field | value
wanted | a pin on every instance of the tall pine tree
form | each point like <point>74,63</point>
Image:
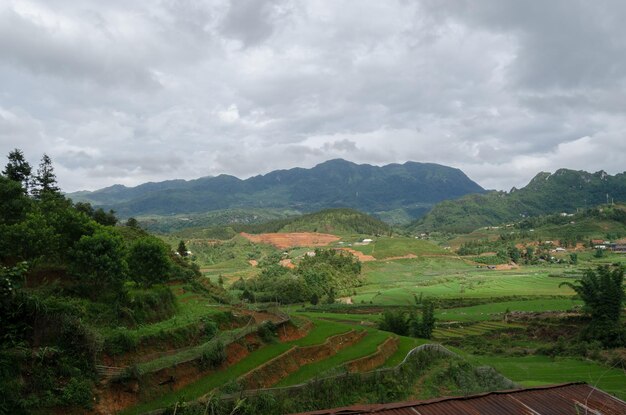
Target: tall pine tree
<point>45,181</point>
<point>18,169</point>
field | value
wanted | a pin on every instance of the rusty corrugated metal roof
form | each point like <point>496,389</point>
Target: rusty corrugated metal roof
<point>563,399</point>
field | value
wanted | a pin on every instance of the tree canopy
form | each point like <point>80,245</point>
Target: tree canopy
<point>603,293</point>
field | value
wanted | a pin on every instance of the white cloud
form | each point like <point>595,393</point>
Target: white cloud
<point>120,92</point>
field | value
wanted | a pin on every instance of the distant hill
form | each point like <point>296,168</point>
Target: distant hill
<point>407,190</point>
<point>334,221</point>
<point>605,222</point>
<point>564,191</point>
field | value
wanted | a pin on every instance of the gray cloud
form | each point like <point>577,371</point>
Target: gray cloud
<point>127,93</point>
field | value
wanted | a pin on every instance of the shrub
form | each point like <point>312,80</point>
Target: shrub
<point>213,356</point>
<point>267,332</point>
<point>120,342</point>
<point>77,392</point>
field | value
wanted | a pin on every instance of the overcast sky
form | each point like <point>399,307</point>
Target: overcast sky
<point>126,92</point>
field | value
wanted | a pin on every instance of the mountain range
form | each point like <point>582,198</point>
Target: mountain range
<point>408,190</point>
<point>564,191</point>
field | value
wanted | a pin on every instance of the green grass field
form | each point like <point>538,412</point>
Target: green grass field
<point>483,284</point>
<point>385,247</point>
<point>495,310</point>
<point>543,370</point>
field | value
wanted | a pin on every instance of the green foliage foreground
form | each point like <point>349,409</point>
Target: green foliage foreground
<point>66,273</point>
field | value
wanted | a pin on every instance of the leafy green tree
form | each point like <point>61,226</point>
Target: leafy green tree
<point>395,321</point>
<point>320,277</point>
<point>602,291</point>
<point>599,253</point>
<point>330,297</point>
<point>148,261</point>
<point>315,299</point>
<point>18,169</point>
<point>428,319</point>
<point>13,202</point>
<point>514,253</point>
<point>98,262</point>
<point>247,295</point>
<point>105,218</point>
<point>85,208</point>
<point>530,253</point>
<point>573,259</point>
<point>182,249</point>
<point>28,240</point>
<point>132,223</point>
<point>45,182</point>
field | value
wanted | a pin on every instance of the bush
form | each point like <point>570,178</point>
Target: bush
<point>213,356</point>
<point>120,342</point>
<point>148,261</point>
<point>149,305</point>
<point>267,332</point>
<point>77,392</point>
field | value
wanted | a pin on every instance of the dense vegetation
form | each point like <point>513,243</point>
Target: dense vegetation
<point>563,191</point>
<point>603,294</point>
<point>412,187</point>
<point>408,323</point>
<point>66,270</point>
<point>321,276</point>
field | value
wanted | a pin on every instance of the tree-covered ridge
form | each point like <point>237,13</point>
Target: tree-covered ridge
<point>65,270</point>
<point>413,187</point>
<point>563,191</point>
<point>335,221</point>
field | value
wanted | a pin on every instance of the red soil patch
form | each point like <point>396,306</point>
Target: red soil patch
<point>287,263</point>
<point>380,356</point>
<point>253,262</point>
<point>360,255</point>
<point>292,240</point>
<point>289,332</point>
<point>507,266</point>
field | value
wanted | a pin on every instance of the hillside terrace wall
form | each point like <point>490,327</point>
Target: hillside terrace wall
<point>374,360</point>
<point>121,394</point>
<point>281,366</point>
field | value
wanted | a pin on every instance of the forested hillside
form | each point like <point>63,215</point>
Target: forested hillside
<point>411,187</point>
<point>564,191</point>
<point>67,274</point>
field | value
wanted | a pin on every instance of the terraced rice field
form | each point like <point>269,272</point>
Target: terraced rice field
<point>491,311</point>
<point>474,330</point>
<point>366,346</point>
<point>320,332</point>
<point>475,285</point>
